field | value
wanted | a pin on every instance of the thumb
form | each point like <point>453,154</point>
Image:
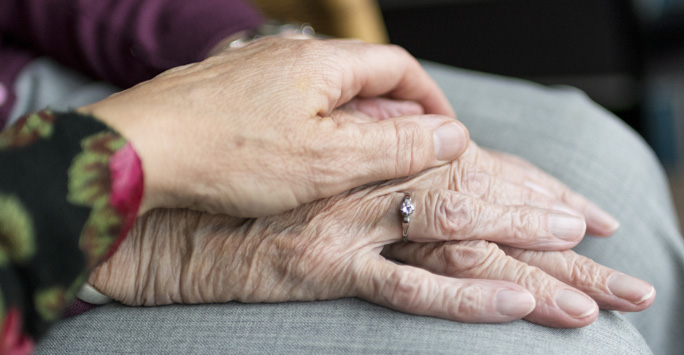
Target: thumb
<point>399,147</point>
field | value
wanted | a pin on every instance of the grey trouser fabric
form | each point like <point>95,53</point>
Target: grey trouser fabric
<point>558,129</point>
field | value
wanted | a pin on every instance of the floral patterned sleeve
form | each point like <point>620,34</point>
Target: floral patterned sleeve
<point>70,188</point>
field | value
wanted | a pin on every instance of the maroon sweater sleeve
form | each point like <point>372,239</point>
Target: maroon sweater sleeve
<point>124,41</point>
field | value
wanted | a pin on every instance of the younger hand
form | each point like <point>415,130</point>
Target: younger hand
<point>248,132</point>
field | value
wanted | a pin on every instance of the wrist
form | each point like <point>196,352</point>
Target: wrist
<point>157,264</point>
<point>132,186</point>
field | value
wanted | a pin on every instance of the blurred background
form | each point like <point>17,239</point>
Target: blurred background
<point>627,55</point>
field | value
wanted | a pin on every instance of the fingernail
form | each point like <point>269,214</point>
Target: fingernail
<point>575,304</point>
<point>630,288</point>
<point>514,303</point>
<point>566,227</point>
<point>450,141</point>
<point>598,218</point>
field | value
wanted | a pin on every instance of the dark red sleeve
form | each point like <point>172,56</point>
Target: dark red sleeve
<point>124,41</point>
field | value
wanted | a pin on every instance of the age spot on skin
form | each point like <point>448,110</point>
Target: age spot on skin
<point>239,142</point>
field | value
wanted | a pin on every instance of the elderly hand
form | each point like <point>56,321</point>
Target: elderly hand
<point>566,286</point>
<point>248,132</point>
<point>330,249</point>
<point>490,175</point>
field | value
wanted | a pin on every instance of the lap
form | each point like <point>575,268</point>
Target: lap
<point>557,129</point>
<point>347,326</point>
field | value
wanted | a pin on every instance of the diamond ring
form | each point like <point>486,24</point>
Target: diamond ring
<point>406,210</point>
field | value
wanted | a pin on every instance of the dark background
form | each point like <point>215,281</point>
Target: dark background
<point>628,55</point>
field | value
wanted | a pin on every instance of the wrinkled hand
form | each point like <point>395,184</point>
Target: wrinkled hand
<point>330,249</point>
<point>492,176</point>
<point>507,179</point>
<point>567,286</point>
<point>560,281</point>
<point>248,132</point>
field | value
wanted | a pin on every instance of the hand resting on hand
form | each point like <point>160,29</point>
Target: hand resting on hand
<point>469,258</point>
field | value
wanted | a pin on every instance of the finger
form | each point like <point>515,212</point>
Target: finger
<point>371,70</point>
<point>494,189</point>
<point>557,304</point>
<point>365,110</point>
<point>519,171</point>
<point>611,289</point>
<point>381,150</point>
<point>412,290</point>
<point>447,215</point>
<point>599,222</point>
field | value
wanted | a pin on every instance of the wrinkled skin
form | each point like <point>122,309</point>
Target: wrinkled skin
<point>489,237</point>
<point>468,259</point>
<point>205,131</point>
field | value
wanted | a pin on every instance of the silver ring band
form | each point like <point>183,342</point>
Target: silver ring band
<point>406,210</point>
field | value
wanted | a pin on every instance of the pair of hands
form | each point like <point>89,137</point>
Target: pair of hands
<point>213,138</point>
<point>332,248</point>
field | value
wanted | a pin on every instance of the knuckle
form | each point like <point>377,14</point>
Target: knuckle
<point>452,215</point>
<point>464,215</point>
<point>523,222</point>
<point>410,141</point>
<point>466,302</point>
<point>583,274</point>
<point>532,278</point>
<point>476,183</point>
<point>406,290</point>
<point>470,258</point>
